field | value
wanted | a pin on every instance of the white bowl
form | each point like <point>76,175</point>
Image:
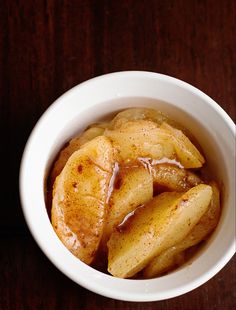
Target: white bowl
<point>94,100</point>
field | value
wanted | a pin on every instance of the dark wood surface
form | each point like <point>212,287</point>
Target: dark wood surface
<point>46,47</point>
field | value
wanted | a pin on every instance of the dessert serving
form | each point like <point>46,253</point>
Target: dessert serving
<point>132,197</point>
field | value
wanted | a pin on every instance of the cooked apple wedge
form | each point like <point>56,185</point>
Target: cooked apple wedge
<point>80,197</point>
<point>141,138</point>
<point>73,146</point>
<point>187,153</point>
<point>169,258</point>
<point>134,114</point>
<point>172,178</point>
<point>133,187</point>
<point>161,223</point>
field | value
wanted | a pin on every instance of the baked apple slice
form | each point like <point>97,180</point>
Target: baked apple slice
<point>160,224</point>
<point>80,197</point>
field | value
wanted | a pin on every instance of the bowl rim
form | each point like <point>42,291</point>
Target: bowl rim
<point>110,292</point>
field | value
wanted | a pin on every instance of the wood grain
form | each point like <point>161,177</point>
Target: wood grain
<point>48,47</point>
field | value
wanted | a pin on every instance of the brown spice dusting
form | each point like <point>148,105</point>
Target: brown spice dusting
<point>74,184</point>
<point>80,168</point>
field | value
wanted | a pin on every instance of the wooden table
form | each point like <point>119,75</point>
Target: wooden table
<point>49,46</point>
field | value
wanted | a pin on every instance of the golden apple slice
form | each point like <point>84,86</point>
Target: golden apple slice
<point>160,224</point>
<point>134,114</point>
<point>80,197</point>
<point>141,138</point>
<point>187,153</point>
<point>73,146</point>
<point>172,178</point>
<point>133,187</point>
<point>170,258</point>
